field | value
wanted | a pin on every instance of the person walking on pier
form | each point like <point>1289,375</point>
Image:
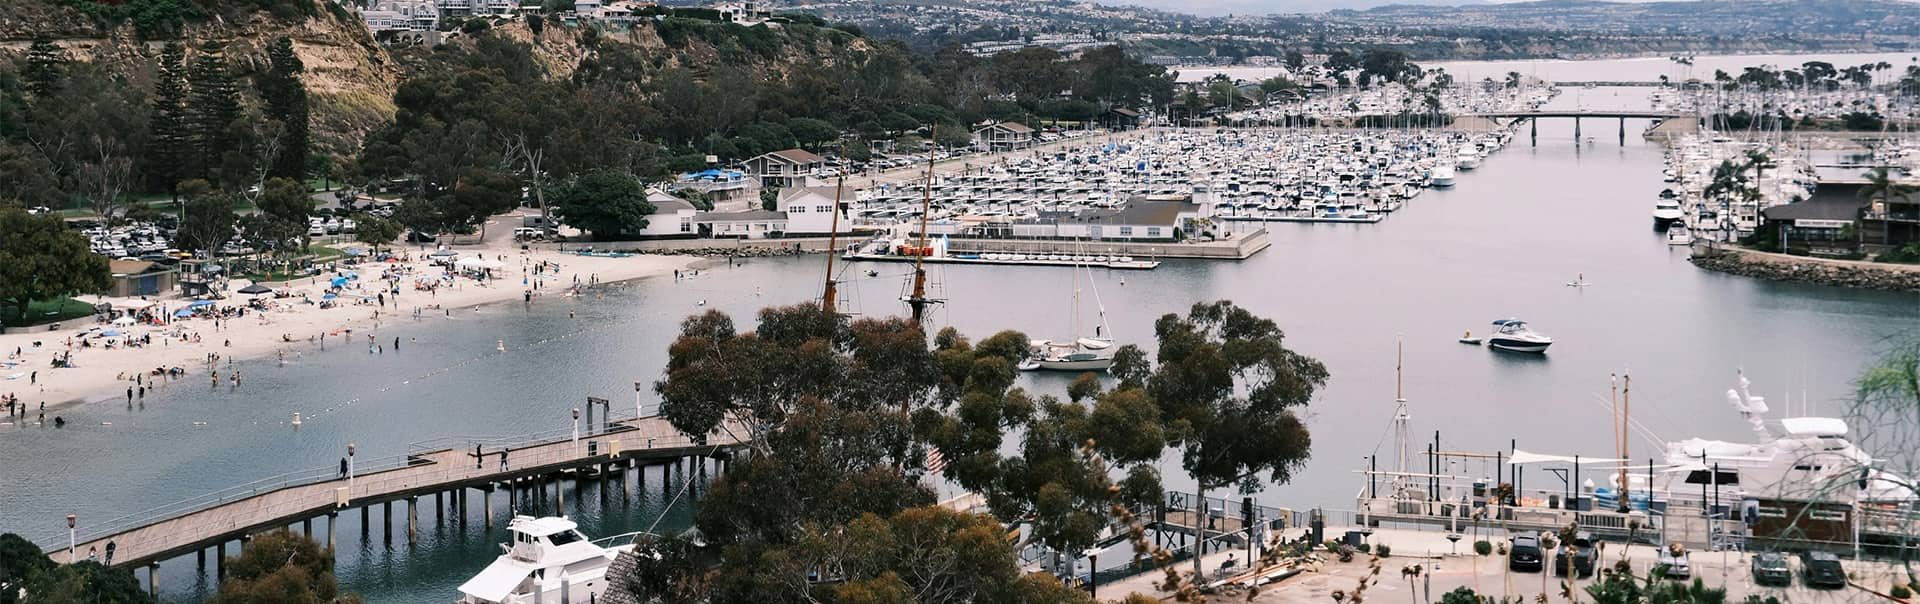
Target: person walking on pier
<point>477,458</point>
<point>503,458</point>
<point>343,468</point>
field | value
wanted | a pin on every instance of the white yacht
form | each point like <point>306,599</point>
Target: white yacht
<point>548,561</point>
<point>1808,460</point>
<point>1467,159</point>
<point>1679,235</point>
<point>1665,212</point>
<point>1514,335</point>
<point>1442,176</point>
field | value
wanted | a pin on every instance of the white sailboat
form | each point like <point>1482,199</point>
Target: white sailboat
<point>1079,353</point>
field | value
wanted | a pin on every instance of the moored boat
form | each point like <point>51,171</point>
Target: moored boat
<point>1514,335</point>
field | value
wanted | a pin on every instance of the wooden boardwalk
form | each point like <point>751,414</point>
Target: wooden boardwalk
<point>425,472</point>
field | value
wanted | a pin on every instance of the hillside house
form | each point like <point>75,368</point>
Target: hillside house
<point>1003,136</point>
<point>782,169</point>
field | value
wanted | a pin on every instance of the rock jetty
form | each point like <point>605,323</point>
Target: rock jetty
<point>1839,273</point>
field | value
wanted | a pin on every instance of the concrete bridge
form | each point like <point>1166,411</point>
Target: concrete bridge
<point>1533,118</point>
<point>448,469</point>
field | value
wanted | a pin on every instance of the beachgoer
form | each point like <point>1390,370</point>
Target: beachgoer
<point>343,467</point>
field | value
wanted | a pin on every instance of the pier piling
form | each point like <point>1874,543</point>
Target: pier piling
<point>364,523</point>
<point>1623,131</point>
<point>486,505</point>
<point>413,520</point>
<point>202,555</point>
<point>386,521</point>
<point>560,495</point>
<point>1576,129</point>
<point>439,507</point>
<point>306,527</point>
<point>333,518</point>
<point>220,561</point>
<point>1533,125</point>
<point>153,580</point>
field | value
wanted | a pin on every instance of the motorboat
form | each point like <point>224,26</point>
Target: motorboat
<point>1513,335</point>
<point>1679,235</point>
<point>1665,212</point>
<point>548,561</point>
<point>1466,159</point>
<point>1469,338</point>
<point>1442,176</point>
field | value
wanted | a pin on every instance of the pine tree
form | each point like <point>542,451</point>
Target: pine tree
<point>46,66</point>
<point>213,102</point>
<point>286,99</point>
<point>167,128</point>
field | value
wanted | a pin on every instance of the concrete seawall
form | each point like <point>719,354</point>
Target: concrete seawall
<point>1799,269</point>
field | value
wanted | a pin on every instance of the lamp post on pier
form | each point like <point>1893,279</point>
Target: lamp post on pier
<point>639,409</point>
<point>70,535</point>
<point>576,430</point>
<point>350,448</point>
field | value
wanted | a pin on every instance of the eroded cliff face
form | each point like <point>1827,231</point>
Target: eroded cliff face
<point>350,79</point>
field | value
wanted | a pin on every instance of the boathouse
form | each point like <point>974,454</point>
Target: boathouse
<point>1827,223</point>
<point>140,278</point>
<point>782,169</point>
<point>751,224</point>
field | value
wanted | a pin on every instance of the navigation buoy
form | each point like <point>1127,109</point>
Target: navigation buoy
<point>500,345</point>
<point>296,418</point>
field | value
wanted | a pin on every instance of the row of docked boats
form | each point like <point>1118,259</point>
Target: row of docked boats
<point>1277,175</point>
<point>1753,175</point>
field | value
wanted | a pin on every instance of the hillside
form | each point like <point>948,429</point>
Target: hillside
<point>350,79</point>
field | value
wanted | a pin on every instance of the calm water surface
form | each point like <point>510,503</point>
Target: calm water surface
<point>1502,243</point>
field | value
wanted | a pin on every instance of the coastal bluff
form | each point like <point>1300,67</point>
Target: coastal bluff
<point>1799,269</point>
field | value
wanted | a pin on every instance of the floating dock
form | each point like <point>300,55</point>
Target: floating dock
<point>1012,259</point>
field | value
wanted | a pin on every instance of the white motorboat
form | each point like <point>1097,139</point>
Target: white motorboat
<point>1466,159</point>
<point>1514,335</point>
<point>1679,235</point>
<point>1080,353</point>
<point>1442,176</point>
<point>548,561</point>
<point>1665,212</point>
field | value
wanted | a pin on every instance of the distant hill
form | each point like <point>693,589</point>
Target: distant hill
<point>1218,8</point>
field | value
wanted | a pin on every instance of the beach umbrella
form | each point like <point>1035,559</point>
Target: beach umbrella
<point>339,281</point>
<point>200,303</point>
<point>328,297</point>
<point>256,289</point>
<point>111,333</point>
<point>183,313</point>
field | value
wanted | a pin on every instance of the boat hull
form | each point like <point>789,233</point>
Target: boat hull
<point>1100,364</point>
<point>1515,345</point>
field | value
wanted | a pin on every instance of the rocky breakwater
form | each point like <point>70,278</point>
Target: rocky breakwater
<point>1797,269</point>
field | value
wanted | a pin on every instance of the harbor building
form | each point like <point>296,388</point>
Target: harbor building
<point>788,168</point>
<point>1003,136</point>
<point>809,211</point>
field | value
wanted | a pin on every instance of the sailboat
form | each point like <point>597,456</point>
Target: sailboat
<point>1080,353</point>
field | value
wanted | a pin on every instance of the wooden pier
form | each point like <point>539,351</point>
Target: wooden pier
<point>447,467</point>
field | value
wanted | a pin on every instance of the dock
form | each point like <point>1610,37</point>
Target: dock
<point>1010,259</point>
<point>443,468</point>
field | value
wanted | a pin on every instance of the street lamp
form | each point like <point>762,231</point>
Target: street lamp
<point>70,534</point>
<point>576,430</point>
<point>639,410</point>
<point>350,469</point>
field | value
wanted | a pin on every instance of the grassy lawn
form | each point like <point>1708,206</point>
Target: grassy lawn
<point>46,311</point>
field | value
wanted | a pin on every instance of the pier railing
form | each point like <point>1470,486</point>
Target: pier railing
<point>114,526</point>
<point>366,470</point>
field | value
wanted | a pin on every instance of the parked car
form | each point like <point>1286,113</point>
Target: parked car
<point>1525,554</point>
<point>1674,562</point>
<point>1822,569</point>
<point>1579,553</point>
<point>1770,568</point>
<point>419,237</point>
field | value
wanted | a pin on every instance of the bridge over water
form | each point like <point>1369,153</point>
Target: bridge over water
<point>1533,118</point>
<point>447,468</point>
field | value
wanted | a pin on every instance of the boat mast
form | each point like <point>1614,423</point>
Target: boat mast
<point>833,237</point>
<point>1626,413</point>
<point>1402,441</point>
<point>918,301</point>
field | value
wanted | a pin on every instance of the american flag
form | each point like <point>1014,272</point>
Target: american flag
<point>935,461</point>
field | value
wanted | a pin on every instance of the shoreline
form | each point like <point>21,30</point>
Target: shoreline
<point>105,374</point>
<point>1769,266</point>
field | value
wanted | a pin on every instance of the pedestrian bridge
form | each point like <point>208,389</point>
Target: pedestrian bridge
<point>447,466</point>
<point>1578,113</point>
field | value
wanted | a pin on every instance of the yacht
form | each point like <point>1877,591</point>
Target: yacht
<point>1808,460</point>
<point>1442,176</point>
<point>1514,335</point>
<point>1466,159</point>
<point>1679,235</point>
<point>1665,212</point>
<point>548,561</point>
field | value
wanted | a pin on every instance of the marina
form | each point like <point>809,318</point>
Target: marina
<point>1439,251</point>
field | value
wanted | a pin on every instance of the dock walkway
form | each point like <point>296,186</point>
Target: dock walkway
<point>433,467</point>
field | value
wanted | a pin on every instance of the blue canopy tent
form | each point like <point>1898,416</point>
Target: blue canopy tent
<point>111,333</point>
<point>200,303</point>
<point>183,313</point>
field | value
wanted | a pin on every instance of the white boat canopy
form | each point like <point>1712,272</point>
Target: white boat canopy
<point>497,582</point>
<point>1814,426</point>
<point>1521,458</point>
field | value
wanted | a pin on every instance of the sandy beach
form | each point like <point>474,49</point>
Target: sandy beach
<point>107,373</point>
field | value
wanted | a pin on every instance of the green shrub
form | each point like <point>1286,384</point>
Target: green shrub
<point>1383,550</point>
<point>1483,547</point>
<point>1900,592</point>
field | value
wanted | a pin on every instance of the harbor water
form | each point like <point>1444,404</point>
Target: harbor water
<point>1502,243</point>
